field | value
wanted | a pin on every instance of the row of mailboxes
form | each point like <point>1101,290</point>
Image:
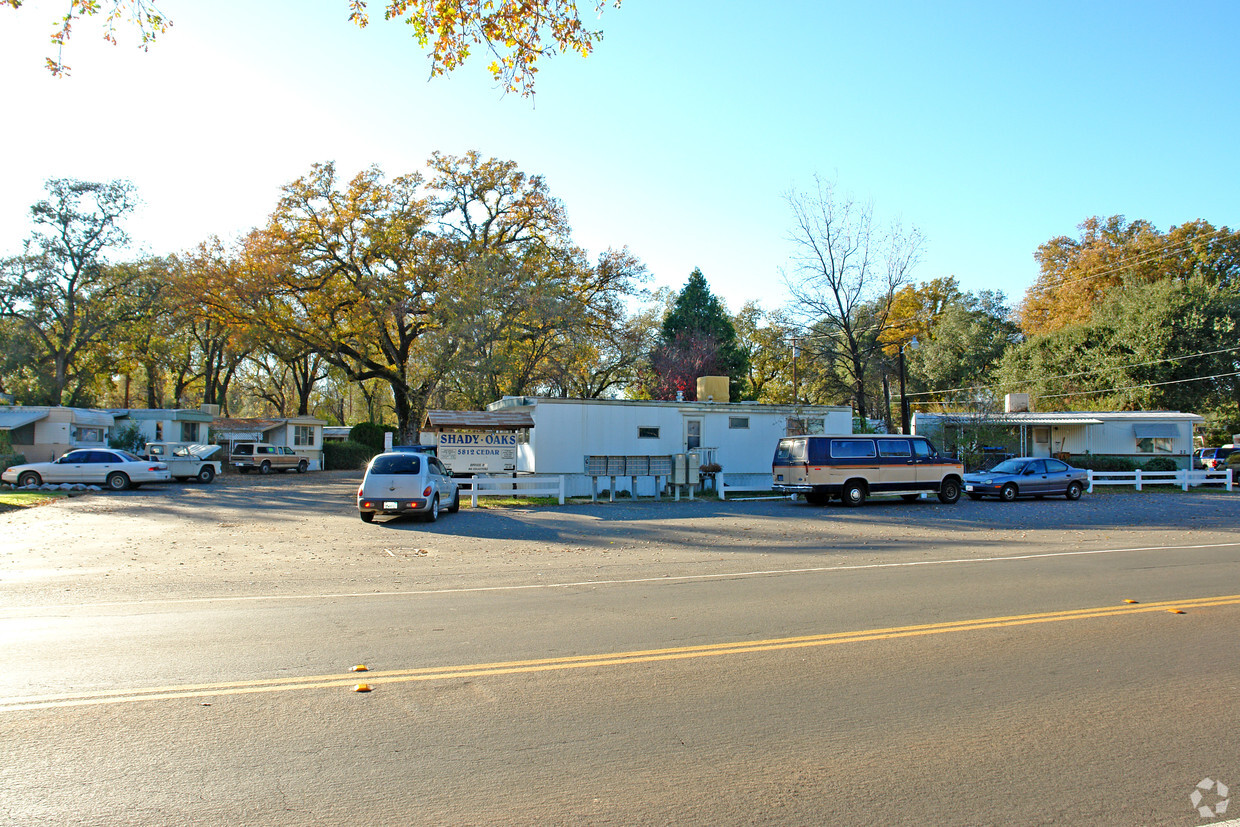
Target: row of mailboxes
<point>683,469</point>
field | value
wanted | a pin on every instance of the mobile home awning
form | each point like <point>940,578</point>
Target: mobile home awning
<point>12,420</point>
<point>1155,431</point>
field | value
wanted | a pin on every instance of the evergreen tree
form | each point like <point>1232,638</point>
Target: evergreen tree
<point>697,339</point>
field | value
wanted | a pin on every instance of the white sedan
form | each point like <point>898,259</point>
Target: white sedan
<point>113,468</point>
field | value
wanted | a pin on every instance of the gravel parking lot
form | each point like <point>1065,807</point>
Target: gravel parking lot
<point>298,534</point>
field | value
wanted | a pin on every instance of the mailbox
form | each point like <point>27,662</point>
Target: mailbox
<point>680,466</point>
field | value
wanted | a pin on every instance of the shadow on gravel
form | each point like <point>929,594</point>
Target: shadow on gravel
<point>777,526</point>
<point>786,527</point>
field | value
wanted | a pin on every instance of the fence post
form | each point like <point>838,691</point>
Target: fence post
<point>473,491</point>
<point>722,494</point>
<point>561,489</point>
<point>1090,477</point>
<point>1229,475</point>
<point>1138,479</point>
<point>1184,475</point>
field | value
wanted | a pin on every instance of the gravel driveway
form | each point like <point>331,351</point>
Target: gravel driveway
<point>296,534</point>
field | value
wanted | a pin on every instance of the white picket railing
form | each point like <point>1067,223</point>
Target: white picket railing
<point>514,487</point>
<point>725,488</point>
<point>1182,478</point>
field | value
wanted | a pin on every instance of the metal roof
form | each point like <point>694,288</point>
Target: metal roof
<point>173,414</point>
<point>479,420</point>
<point>1065,417</point>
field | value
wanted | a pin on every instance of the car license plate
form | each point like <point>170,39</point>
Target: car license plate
<point>389,504</point>
<point>968,488</point>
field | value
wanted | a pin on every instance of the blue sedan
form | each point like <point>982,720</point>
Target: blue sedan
<point>1027,477</point>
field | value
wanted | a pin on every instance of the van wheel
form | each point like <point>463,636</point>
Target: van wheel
<point>1007,493</point>
<point>433,514</point>
<point>949,492</point>
<point>853,494</point>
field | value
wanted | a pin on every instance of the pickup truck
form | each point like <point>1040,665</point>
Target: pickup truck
<point>186,461</point>
<point>265,458</point>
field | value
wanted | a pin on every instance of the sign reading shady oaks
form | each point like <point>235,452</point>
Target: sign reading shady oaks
<point>478,453</point>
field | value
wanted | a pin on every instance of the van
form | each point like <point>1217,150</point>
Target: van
<point>853,468</point>
<point>1212,459</point>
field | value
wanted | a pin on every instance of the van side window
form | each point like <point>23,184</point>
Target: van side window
<point>894,448</point>
<point>852,448</point>
<point>921,449</point>
<point>817,452</point>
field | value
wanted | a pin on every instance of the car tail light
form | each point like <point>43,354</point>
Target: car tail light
<point>427,492</point>
<point>359,490</point>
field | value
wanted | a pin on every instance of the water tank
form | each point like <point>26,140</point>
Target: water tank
<point>712,389</point>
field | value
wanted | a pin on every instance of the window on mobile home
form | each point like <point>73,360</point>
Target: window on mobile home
<point>647,433</point>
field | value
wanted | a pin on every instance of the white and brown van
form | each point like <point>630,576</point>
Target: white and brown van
<point>855,467</point>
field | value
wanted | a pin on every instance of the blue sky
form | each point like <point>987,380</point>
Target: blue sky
<point>991,127</point>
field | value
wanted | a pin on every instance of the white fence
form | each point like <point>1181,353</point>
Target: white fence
<point>514,487</point>
<point>751,483</point>
<point>1182,478</point>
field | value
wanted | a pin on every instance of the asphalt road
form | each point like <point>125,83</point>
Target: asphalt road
<point>182,656</point>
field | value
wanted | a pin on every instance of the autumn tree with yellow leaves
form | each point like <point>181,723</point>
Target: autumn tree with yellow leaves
<point>517,33</point>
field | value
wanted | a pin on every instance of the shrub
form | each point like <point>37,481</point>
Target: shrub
<point>370,433</point>
<point>129,439</point>
<point>1094,462</point>
<point>346,456</point>
<point>7,461</point>
<point>1161,464</point>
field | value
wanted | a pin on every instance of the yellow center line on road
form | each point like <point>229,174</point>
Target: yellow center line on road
<point>438,673</point>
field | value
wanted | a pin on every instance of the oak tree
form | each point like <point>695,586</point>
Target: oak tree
<point>517,33</point>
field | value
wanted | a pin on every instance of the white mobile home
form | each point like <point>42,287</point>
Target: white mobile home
<point>166,425</point>
<point>1136,435</point>
<point>44,433</point>
<point>740,437</point>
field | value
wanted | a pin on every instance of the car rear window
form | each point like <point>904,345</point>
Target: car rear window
<point>396,464</point>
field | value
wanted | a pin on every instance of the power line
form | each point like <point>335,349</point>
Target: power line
<point>1137,387</point>
<point>1082,373</point>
